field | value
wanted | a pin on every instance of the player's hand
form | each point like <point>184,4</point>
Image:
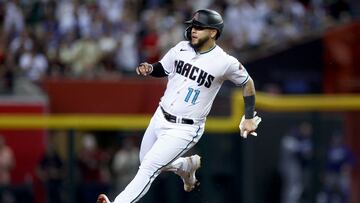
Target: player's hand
<point>248,126</point>
<point>144,69</point>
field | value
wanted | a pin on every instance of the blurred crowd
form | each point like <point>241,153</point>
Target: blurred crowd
<point>301,172</point>
<point>96,170</point>
<point>108,38</point>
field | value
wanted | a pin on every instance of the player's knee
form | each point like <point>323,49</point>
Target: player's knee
<point>150,168</point>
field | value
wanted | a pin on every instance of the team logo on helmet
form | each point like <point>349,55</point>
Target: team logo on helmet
<point>196,16</point>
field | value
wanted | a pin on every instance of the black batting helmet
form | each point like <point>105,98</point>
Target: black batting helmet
<point>205,18</point>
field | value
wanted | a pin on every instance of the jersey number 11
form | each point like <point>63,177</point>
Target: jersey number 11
<point>189,94</point>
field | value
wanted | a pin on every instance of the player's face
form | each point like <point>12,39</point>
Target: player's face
<point>200,36</point>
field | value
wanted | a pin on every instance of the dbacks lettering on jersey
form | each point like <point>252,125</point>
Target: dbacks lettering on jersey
<point>194,73</point>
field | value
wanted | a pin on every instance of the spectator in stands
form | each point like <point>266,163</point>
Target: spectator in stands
<point>65,51</point>
<point>83,57</point>
<point>253,17</point>
<point>51,172</point>
<point>14,17</point>
<point>149,41</point>
<point>113,10</point>
<point>127,53</point>
<point>3,48</point>
<point>6,69</point>
<point>337,179</point>
<point>339,9</point>
<point>233,23</point>
<point>22,42</point>
<point>33,64</point>
<point>93,167</point>
<point>56,66</point>
<point>7,163</point>
<point>107,45</point>
<point>173,24</point>
<point>125,164</point>
<point>65,15</point>
<point>295,165</point>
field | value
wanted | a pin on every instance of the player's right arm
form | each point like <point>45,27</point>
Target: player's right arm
<point>155,70</point>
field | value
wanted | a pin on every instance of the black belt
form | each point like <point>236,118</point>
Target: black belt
<point>172,118</point>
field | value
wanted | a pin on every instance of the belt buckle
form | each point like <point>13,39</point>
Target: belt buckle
<point>172,119</point>
<point>179,119</point>
<point>176,119</point>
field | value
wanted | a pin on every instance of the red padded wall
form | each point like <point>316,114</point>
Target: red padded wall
<point>125,96</point>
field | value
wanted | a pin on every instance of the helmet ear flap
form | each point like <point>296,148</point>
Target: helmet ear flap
<point>187,33</point>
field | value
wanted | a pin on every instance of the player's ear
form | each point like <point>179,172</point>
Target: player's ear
<point>213,33</point>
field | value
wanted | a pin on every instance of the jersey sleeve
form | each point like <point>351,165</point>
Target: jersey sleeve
<point>237,73</point>
<point>168,61</point>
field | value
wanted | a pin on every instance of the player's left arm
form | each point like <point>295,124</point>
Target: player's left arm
<point>249,121</point>
<point>162,68</point>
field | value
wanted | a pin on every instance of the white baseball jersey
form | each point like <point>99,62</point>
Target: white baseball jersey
<point>194,79</point>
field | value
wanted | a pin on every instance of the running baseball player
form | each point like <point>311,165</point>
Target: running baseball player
<point>195,69</point>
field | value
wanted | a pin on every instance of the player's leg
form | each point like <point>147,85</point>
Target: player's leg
<point>147,142</point>
<point>165,150</point>
<point>149,137</point>
<point>186,168</point>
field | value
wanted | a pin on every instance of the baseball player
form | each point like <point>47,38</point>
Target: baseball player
<point>195,69</point>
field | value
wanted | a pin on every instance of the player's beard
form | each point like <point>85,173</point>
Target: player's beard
<point>200,42</point>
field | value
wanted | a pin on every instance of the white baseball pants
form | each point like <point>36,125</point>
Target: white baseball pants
<point>163,143</point>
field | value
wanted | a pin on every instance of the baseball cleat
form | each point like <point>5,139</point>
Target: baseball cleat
<point>102,199</point>
<point>188,177</point>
